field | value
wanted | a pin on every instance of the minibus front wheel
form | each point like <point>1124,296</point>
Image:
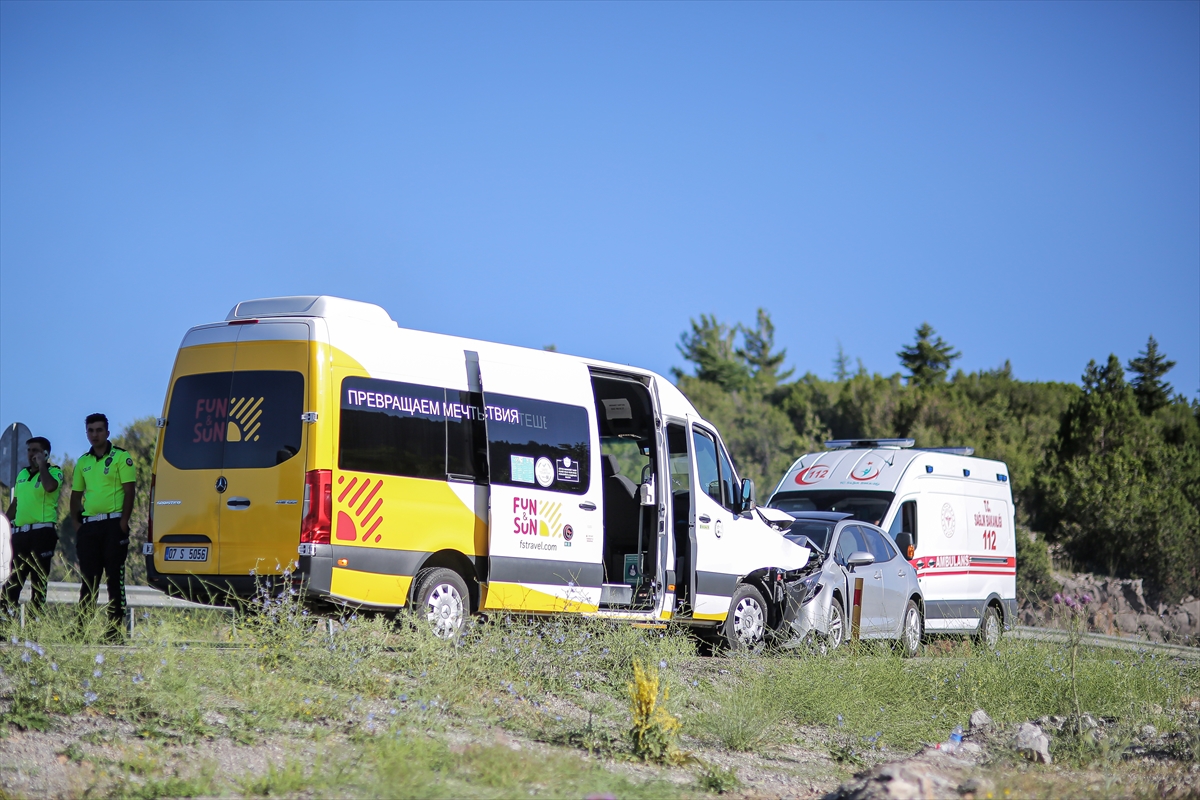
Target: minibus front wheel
<point>440,596</point>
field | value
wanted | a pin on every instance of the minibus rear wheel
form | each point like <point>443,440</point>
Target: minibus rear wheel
<point>440,596</point>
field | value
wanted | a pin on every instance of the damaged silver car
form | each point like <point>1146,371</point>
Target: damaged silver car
<point>890,604</point>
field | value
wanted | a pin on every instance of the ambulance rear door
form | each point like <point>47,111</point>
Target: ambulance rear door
<point>545,521</point>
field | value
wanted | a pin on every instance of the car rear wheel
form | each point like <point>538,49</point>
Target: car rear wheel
<point>746,626</point>
<point>440,596</point>
<point>990,628</point>
<point>910,635</point>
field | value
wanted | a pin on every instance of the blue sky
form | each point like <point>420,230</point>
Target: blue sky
<point>1026,177</point>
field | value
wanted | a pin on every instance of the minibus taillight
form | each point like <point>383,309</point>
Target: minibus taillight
<point>150,519</point>
<point>317,514</point>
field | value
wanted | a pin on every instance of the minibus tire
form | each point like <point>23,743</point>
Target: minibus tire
<point>745,628</point>
<point>441,600</point>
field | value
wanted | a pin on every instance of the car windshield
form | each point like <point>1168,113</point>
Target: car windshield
<point>817,531</point>
<point>869,507</point>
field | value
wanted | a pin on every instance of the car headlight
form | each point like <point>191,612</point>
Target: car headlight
<point>812,587</point>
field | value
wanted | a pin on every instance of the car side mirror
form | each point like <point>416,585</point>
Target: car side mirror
<point>904,541</point>
<point>749,497</point>
<point>860,558</point>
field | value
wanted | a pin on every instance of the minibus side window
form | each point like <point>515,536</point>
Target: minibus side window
<point>729,484</point>
<point>466,435</point>
<point>539,444</point>
<point>706,464</point>
<point>198,419</point>
<point>393,428</point>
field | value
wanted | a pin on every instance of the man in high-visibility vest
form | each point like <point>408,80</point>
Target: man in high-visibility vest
<point>102,503</point>
<point>34,516</point>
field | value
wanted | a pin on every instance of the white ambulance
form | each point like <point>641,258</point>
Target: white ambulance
<point>409,469</point>
<point>954,510</point>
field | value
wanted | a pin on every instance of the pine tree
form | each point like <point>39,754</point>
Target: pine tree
<point>710,346</point>
<point>1151,390</point>
<point>928,359</point>
<point>841,364</point>
<point>756,352</point>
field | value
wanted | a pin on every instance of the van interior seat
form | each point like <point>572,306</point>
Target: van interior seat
<point>620,517</point>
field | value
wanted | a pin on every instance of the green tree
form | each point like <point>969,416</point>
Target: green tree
<point>140,438</point>
<point>711,347</point>
<point>841,365</point>
<point>1151,391</point>
<point>1117,495</point>
<point>757,352</point>
<point>928,359</point>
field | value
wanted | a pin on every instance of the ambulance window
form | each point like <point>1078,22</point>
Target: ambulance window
<point>905,521</point>
<point>197,421</point>
<point>538,444</point>
<point>707,474</point>
<point>393,428</point>
<point>241,420</point>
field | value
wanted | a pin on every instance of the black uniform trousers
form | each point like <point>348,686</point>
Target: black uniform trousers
<point>102,547</point>
<point>32,553</point>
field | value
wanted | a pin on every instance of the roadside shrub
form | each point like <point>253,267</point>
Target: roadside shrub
<point>655,731</point>
<point>1034,581</point>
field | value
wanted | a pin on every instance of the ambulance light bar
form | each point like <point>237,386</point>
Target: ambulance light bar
<point>844,444</point>
<point>954,451</point>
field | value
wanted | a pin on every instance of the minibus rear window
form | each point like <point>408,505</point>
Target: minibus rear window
<point>234,420</point>
<point>538,444</point>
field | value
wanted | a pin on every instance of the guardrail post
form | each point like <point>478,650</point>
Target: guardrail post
<point>22,616</point>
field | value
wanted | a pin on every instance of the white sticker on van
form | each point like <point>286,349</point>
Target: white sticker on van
<point>617,409</point>
<point>544,470</point>
<point>521,468</point>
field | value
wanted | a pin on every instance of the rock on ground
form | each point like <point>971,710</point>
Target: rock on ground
<point>1030,742</point>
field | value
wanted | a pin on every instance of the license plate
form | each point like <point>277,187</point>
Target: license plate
<point>187,554</point>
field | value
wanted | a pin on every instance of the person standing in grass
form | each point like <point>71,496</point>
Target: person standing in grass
<point>34,516</point>
<point>102,503</point>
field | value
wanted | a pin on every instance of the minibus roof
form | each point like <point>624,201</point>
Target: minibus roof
<point>674,402</point>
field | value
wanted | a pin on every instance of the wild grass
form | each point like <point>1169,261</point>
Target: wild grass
<point>393,711</point>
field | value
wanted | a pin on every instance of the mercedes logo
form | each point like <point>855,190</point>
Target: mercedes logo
<point>222,484</point>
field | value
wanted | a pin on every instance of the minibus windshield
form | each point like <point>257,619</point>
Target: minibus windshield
<point>869,507</point>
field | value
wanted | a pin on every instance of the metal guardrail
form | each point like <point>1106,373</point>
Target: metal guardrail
<point>67,593</point>
<point>1104,640</point>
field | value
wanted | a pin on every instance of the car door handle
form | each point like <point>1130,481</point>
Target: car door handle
<point>900,573</point>
<point>878,575</point>
<point>705,518</point>
<point>588,505</point>
<point>238,502</point>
